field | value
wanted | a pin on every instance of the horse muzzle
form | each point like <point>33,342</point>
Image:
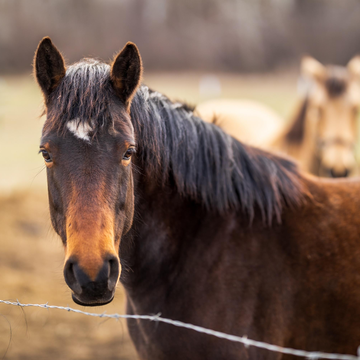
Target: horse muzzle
<point>89,291</point>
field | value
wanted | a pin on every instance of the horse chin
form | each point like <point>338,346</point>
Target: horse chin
<point>95,302</point>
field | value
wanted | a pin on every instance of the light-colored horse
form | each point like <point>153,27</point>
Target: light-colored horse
<point>323,131</point>
<point>246,120</point>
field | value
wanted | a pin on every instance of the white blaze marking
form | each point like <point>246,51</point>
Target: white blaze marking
<point>79,129</point>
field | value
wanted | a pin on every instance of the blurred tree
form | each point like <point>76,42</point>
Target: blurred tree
<point>230,35</point>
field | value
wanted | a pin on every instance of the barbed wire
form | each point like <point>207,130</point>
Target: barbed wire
<point>313,355</point>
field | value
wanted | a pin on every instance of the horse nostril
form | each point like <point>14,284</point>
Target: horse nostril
<point>113,274</point>
<point>337,174</point>
<point>70,277</point>
<point>81,283</point>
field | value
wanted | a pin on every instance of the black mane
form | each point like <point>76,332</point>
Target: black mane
<point>296,133</point>
<point>84,93</point>
<point>208,164</point>
<point>205,163</point>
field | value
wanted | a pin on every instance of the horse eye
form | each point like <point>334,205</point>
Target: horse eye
<point>128,153</point>
<point>46,155</point>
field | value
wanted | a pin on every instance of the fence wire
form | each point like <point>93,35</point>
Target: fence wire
<point>240,339</point>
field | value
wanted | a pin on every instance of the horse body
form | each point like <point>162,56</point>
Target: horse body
<point>206,230</point>
<point>293,285</point>
<point>279,284</point>
<point>246,120</point>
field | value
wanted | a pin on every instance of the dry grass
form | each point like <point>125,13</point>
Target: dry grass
<point>31,259</point>
<point>31,256</point>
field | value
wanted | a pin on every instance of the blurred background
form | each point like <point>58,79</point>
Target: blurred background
<point>192,50</point>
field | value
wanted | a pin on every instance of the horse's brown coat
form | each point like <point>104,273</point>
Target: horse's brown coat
<point>224,236</point>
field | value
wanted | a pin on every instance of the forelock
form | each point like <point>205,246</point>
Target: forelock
<point>85,94</point>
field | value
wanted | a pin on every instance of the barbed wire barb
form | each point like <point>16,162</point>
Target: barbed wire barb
<point>312,355</point>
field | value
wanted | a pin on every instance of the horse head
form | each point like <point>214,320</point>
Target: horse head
<point>87,144</point>
<point>333,99</point>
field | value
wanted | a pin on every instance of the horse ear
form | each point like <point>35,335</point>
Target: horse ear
<point>49,66</point>
<point>126,72</point>
<point>354,66</point>
<point>313,69</point>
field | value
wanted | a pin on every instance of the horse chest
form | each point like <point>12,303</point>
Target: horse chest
<point>215,287</point>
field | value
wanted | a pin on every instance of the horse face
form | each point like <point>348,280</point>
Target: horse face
<point>91,205</point>
<point>90,181</point>
<point>332,116</point>
<point>336,138</point>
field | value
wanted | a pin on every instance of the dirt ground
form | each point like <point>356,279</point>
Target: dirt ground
<point>31,255</point>
<point>31,259</point>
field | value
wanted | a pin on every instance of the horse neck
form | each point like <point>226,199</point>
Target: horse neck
<point>297,139</point>
<point>165,238</point>
<point>171,221</point>
<point>182,212</point>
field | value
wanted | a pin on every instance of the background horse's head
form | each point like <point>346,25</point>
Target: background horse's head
<point>87,144</point>
<point>331,111</point>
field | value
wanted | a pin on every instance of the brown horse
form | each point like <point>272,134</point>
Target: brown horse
<point>323,132</point>
<point>207,230</point>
